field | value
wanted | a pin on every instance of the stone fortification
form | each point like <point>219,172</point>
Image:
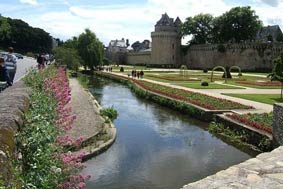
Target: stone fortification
<point>250,56</point>
<point>139,58</point>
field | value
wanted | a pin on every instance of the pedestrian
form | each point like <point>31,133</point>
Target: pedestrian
<point>133,73</point>
<point>141,74</point>
<point>4,75</point>
<point>40,61</point>
<point>11,64</point>
<point>138,74</point>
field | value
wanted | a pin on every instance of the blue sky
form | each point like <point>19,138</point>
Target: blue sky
<point>116,19</point>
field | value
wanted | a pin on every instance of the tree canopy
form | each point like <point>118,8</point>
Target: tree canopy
<point>237,24</point>
<point>24,38</point>
<point>277,72</point>
<point>200,26</point>
<point>90,49</point>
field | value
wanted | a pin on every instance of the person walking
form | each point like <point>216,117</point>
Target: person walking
<point>4,75</point>
<point>141,74</point>
<point>11,64</point>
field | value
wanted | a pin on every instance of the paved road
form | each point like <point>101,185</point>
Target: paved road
<point>23,65</point>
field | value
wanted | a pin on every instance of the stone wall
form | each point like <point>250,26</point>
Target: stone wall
<point>278,123</point>
<point>254,57</point>
<point>14,101</point>
<point>139,58</point>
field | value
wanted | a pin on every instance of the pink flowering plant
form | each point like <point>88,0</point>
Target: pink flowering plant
<point>44,159</point>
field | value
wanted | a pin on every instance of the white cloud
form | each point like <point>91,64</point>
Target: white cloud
<point>273,3</point>
<point>31,2</point>
<point>134,21</point>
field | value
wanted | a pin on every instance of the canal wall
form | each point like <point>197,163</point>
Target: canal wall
<point>14,103</point>
<point>264,171</point>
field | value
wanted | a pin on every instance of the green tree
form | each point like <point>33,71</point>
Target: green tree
<point>5,29</point>
<point>69,56</point>
<point>90,49</point>
<point>277,72</point>
<point>279,37</point>
<point>200,26</point>
<point>240,23</point>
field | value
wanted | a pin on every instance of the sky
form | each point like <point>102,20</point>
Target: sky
<point>129,19</point>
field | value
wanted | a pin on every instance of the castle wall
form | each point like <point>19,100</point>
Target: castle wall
<point>165,48</point>
<point>139,58</point>
<point>248,56</point>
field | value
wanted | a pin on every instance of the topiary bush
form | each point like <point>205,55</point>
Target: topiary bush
<point>204,83</point>
<point>205,70</point>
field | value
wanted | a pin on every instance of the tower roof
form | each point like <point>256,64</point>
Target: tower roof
<point>165,21</point>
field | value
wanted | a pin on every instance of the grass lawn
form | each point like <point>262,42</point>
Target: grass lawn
<point>264,98</point>
<point>197,85</point>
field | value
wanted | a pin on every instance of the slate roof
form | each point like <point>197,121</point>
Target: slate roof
<point>268,30</point>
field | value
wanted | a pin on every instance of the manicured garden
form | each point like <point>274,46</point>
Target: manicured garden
<point>45,161</point>
<point>198,99</point>
<point>263,98</point>
<point>259,121</point>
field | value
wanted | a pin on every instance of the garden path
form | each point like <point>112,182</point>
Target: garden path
<point>88,122</point>
<point>219,93</point>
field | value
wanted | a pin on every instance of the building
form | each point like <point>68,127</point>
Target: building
<point>116,51</point>
<point>165,46</point>
<point>270,34</point>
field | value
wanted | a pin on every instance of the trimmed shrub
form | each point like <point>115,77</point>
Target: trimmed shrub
<point>204,83</point>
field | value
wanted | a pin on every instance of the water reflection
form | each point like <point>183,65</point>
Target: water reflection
<point>155,147</point>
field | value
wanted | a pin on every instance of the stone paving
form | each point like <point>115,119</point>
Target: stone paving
<point>89,121</point>
<point>263,172</point>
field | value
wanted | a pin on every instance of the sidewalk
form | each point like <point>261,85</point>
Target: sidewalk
<point>89,122</point>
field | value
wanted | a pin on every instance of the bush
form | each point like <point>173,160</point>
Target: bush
<point>204,83</point>
<point>110,113</point>
<point>122,69</point>
<point>205,70</point>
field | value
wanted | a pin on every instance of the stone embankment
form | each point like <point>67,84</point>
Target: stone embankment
<point>14,103</point>
<point>97,133</point>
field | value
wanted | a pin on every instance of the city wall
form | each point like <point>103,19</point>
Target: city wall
<point>253,57</point>
<point>139,58</point>
<point>249,56</point>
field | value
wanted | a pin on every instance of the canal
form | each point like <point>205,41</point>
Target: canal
<point>156,148</point>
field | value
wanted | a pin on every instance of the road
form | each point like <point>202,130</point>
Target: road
<point>23,65</point>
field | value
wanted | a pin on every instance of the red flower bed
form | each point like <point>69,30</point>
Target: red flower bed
<point>248,122</point>
<point>266,83</point>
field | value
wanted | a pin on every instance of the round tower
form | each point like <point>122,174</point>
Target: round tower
<point>166,42</point>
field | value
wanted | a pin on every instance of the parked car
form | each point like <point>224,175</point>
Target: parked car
<point>19,56</point>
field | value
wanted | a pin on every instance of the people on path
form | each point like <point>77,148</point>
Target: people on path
<point>141,74</point>
<point>4,74</point>
<point>11,63</point>
<point>40,61</point>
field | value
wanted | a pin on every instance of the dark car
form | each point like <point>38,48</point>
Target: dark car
<point>19,56</point>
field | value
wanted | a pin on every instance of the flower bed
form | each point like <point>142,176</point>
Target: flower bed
<point>259,121</point>
<point>172,77</point>
<point>45,162</point>
<point>266,83</point>
<point>205,101</point>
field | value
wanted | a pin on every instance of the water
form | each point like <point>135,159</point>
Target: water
<point>156,148</point>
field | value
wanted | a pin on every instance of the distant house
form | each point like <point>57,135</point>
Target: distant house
<point>116,50</point>
<point>270,34</point>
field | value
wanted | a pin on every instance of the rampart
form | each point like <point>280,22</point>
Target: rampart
<point>14,103</point>
<point>139,58</point>
<point>249,56</point>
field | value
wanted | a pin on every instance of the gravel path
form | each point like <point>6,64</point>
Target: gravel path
<point>88,122</point>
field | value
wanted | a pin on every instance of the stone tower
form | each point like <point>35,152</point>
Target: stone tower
<point>166,42</point>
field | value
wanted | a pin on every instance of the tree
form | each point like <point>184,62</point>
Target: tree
<point>90,49</point>
<point>69,56</point>
<point>200,26</point>
<point>5,29</point>
<point>240,23</point>
<point>277,72</point>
